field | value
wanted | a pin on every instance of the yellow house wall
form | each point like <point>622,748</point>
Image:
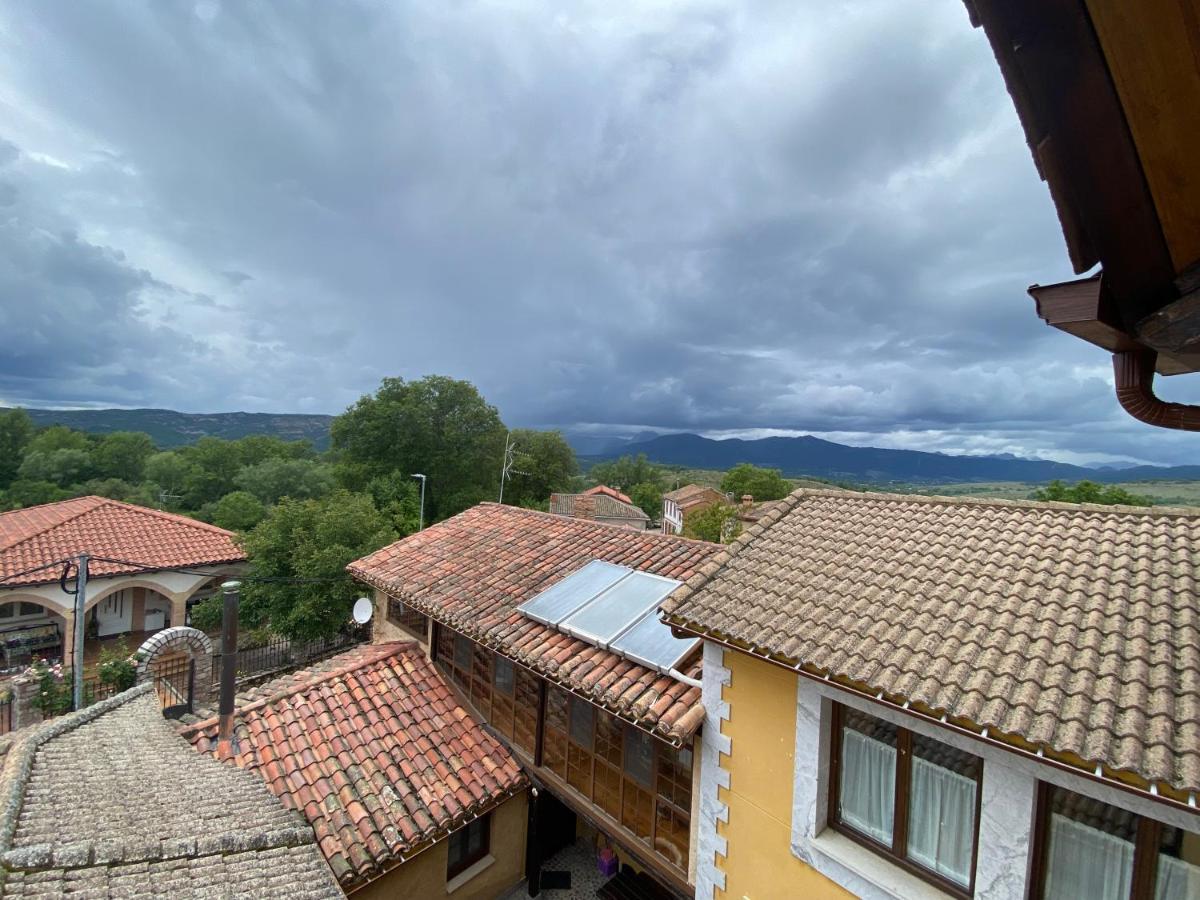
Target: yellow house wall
<point>424,876</point>
<point>762,731</point>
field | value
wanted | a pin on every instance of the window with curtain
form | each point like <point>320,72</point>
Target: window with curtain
<point>1087,848</point>
<point>907,796</point>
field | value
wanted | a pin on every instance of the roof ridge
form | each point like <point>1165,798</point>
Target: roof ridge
<point>967,500</point>
<point>705,573</point>
<point>18,765</point>
<point>381,652</point>
<point>657,535</point>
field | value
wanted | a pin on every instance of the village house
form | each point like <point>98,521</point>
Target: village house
<point>917,697</point>
<point>686,501</point>
<point>407,793</point>
<point>111,802</point>
<point>546,626</point>
<point>131,590</point>
<point>601,504</point>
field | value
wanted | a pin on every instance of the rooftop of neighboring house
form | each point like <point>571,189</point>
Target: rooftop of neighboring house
<point>42,535</point>
<point>472,571</point>
<point>111,801</point>
<point>691,494</point>
<point>1069,629</point>
<point>375,750</point>
<point>592,505</point>
<point>604,489</point>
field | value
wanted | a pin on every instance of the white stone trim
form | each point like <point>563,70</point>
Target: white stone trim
<point>714,677</point>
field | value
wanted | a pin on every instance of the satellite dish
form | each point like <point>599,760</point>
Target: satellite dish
<point>363,610</point>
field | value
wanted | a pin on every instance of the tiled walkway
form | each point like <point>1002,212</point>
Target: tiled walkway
<point>577,859</point>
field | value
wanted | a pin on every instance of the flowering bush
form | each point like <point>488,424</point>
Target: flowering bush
<point>118,667</point>
<point>54,694</point>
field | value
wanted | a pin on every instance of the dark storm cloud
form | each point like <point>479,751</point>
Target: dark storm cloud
<point>713,215</point>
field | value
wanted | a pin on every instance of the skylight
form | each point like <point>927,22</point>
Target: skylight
<point>614,608</point>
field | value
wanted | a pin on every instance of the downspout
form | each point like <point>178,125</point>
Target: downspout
<point>1134,374</point>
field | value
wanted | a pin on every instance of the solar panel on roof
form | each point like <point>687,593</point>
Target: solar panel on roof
<point>615,608</point>
<point>651,643</point>
<point>612,611</point>
<point>561,599</point>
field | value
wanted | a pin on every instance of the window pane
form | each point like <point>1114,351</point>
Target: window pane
<point>526,711</point>
<point>504,675</point>
<point>31,609</point>
<point>582,717</point>
<point>1091,849</point>
<point>941,808</point>
<point>867,783</point>
<point>7,610</point>
<point>639,755</point>
<point>462,653</point>
<point>1178,875</point>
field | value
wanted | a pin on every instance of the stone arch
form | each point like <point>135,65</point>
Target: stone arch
<point>180,638</point>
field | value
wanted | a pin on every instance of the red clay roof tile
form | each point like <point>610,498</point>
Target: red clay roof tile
<point>101,527</point>
<point>472,571</point>
<point>379,790</point>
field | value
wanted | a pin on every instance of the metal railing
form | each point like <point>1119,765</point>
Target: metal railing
<point>281,653</point>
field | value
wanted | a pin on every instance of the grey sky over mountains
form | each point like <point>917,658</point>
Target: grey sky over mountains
<point>706,216</point>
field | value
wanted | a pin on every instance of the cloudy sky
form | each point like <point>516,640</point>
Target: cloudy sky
<point>716,216</point>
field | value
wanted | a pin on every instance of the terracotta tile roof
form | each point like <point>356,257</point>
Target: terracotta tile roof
<point>43,534</point>
<point>375,750</point>
<point>111,802</point>
<point>472,571</point>
<point>1075,629</point>
<point>691,494</point>
<point>609,492</point>
<point>595,506</point>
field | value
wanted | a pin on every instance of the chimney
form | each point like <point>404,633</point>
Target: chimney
<point>747,501</point>
<point>229,642</point>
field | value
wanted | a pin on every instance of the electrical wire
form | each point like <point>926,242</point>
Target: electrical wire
<point>49,565</point>
<point>185,570</point>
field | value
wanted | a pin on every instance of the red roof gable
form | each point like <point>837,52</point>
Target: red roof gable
<point>375,750</point>
<point>609,492</point>
<point>473,570</point>
<point>106,528</point>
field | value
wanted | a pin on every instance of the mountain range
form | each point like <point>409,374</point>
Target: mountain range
<point>168,428</point>
<point>794,456</point>
<point>806,455</point>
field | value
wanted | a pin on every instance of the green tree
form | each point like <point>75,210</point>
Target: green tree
<point>398,498</point>
<point>1090,492</point>
<point>16,431</point>
<point>238,511</point>
<point>123,455</point>
<point>627,471</point>
<point>117,489</point>
<point>215,465</point>
<point>437,426</point>
<point>761,484</point>
<point>314,539</point>
<point>170,472</point>
<point>64,467</point>
<point>31,493</point>
<point>648,496</point>
<point>255,448</point>
<point>58,437</point>
<point>273,478</point>
<point>542,464</point>
<point>717,523</point>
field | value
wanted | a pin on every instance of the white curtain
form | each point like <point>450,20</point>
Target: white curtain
<point>868,788</point>
<point>1177,880</point>
<point>941,820</point>
<point>1087,862</point>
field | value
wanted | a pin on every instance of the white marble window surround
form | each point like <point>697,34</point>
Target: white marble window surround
<point>1006,814</point>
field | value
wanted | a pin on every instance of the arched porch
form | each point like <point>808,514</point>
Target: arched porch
<point>39,621</point>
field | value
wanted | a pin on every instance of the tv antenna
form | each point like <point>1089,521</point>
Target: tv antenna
<point>506,468</point>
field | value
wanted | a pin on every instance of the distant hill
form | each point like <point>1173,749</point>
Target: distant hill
<point>168,428</point>
<point>797,456</point>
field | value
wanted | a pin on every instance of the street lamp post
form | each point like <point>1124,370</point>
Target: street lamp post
<point>421,520</point>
